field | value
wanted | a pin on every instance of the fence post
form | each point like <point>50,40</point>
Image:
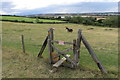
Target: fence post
<point>78,44</point>
<point>75,52</point>
<point>50,38</point>
<point>23,45</point>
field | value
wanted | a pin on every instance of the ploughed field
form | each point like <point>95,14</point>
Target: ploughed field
<point>16,64</point>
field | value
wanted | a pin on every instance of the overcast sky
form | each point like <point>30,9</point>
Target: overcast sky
<point>26,7</point>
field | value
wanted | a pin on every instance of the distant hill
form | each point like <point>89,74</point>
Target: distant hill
<point>76,14</point>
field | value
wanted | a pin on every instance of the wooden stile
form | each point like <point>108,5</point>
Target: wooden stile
<point>76,51</point>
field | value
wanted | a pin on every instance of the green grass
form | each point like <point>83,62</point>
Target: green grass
<point>26,19</point>
<point>104,42</point>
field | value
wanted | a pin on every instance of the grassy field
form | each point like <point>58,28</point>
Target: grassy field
<point>15,64</point>
<point>26,19</point>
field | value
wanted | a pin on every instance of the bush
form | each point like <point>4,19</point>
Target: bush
<point>111,21</point>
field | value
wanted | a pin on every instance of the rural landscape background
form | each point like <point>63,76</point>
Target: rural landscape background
<point>99,26</point>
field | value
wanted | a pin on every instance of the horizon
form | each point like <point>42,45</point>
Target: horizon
<point>59,14</point>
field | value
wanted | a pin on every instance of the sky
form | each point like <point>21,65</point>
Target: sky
<point>28,7</point>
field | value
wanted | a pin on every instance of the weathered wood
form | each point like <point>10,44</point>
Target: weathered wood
<point>50,51</point>
<point>69,43</point>
<point>65,51</point>
<point>78,44</point>
<point>43,47</point>
<point>50,38</point>
<point>63,54</point>
<point>68,65</point>
<point>23,45</point>
<point>51,35</point>
<point>75,51</point>
<point>57,64</point>
<point>93,54</point>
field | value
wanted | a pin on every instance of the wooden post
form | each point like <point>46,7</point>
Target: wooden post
<point>23,45</point>
<point>75,51</point>
<point>78,44</point>
<point>93,54</point>
<point>43,47</point>
<point>79,40</point>
<point>50,38</point>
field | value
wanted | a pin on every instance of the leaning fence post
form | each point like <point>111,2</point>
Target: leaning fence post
<point>43,47</point>
<point>95,58</point>
<point>23,45</point>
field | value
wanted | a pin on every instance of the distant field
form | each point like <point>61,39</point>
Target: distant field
<point>13,18</point>
<point>16,64</point>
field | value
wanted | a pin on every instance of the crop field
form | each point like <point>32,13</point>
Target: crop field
<point>12,18</point>
<point>16,64</point>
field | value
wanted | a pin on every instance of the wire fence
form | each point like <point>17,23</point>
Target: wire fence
<point>26,44</point>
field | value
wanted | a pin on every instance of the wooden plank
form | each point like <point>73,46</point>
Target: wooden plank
<point>69,43</point>
<point>63,54</point>
<point>57,64</point>
<point>93,54</point>
<point>23,45</point>
<point>43,47</point>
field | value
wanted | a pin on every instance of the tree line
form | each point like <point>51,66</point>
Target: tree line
<point>110,21</point>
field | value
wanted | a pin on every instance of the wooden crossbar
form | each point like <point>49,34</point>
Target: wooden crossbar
<point>69,43</point>
<point>65,51</point>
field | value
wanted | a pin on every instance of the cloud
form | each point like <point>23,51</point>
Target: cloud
<point>82,7</point>
<point>33,4</point>
<point>26,7</point>
<point>7,8</point>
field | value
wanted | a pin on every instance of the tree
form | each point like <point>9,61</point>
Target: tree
<point>111,21</point>
<point>59,17</point>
